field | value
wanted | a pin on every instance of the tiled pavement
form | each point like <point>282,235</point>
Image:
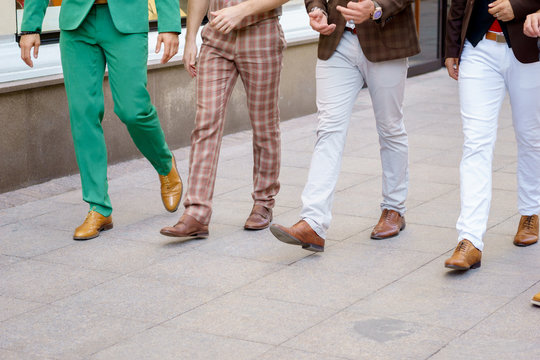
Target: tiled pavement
<point>134,294</point>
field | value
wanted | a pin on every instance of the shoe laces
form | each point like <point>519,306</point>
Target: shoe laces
<point>91,218</point>
<point>528,223</point>
<point>463,246</point>
<point>386,214</point>
<point>165,181</point>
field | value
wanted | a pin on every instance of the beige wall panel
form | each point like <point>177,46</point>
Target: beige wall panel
<point>7,17</point>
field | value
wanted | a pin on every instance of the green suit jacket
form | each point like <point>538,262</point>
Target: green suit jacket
<point>129,16</point>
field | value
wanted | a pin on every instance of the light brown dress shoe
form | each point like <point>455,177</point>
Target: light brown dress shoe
<point>187,227</point>
<point>171,188</point>
<point>259,219</point>
<point>536,299</point>
<point>299,234</point>
<point>390,224</point>
<point>92,225</point>
<point>527,233</point>
<point>465,257</point>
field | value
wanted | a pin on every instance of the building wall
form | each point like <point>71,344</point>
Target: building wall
<point>7,17</point>
<point>36,144</point>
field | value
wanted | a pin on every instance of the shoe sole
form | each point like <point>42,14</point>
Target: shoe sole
<point>185,237</point>
<point>534,302</point>
<point>455,267</point>
<point>253,228</point>
<point>524,245</point>
<point>289,239</point>
<point>103,228</point>
<point>387,237</point>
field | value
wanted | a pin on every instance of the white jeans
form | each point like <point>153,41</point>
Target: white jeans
<point>339,80</point>
<point>485,73</point>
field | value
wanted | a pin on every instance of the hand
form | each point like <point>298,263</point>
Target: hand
<point>531,27</point>
<point>190,58</point>
<point>26,43</point>
<point>170,42</point>
<point>357,11</point>
<point>501,10</point>
<point>227,19</point>
<point>319,23</point>
<point>452,65</point>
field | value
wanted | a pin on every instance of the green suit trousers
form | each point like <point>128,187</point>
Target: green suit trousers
<point>84,52</point>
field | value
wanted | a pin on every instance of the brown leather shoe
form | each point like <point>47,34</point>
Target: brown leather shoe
<point>390,224</point>
<point>187,227</point>
<point>527,233</point>
<point>171,188</point>
<point>299,234</point>
<point>92,225</point>
<point>259,219</point>
<point>536,299</point>
<point>465,257</point>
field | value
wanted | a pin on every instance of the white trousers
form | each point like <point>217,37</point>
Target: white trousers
<point>339,80</point>
<point>485,73</point>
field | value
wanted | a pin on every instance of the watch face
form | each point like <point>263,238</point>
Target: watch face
<point>377,14</point>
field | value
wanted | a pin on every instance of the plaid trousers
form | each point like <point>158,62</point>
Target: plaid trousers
<point>255,53</point>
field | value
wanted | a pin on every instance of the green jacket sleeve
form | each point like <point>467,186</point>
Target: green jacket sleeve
<point>168,16</point>
<point>34,12</point>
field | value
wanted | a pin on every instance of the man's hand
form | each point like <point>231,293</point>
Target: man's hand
<point>227,19</point>
<point>531,27</point>
<point>190,58</point>
<point>26,43</point>
<point>170,42</point>
<point>452,65</point>
<point>357,11</point>
<point>319,23</point>
<point>501,10</point>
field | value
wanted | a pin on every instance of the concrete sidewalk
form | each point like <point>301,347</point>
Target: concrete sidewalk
<point>134,294</point>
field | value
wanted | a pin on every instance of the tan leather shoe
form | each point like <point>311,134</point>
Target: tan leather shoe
<point>187,227</point>
<point>299,234</point>
<point>171,188</point>
<point>527,233</point>
<point>259,219</point>
<point>465,257</point>
<point>92,225</point>
<point>536,299</point>
<point>390,224</point>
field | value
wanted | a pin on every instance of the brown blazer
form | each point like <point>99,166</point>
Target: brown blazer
<point>524,47</point>
<point>393,38</point>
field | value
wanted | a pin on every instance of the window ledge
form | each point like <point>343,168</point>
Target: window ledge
<point>47,70</point>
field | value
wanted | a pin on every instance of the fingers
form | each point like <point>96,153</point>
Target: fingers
<point>452,67</point>
<point>318,22</point>
<point>158,43</point>
<point>25,56</point>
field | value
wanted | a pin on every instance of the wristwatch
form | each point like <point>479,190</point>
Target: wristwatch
<point>377,11</point>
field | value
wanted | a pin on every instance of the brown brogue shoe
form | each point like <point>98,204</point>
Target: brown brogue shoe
<point>389,225</point>
<point>536,299</point>
<point>527,233</point>
<point>92,225</point>
<point>187,227</point>
<point>299,234</point>
<point>465,257</point>
<point>259,219</point>
<point>171,188</point>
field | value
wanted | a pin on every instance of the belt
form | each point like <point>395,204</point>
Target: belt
<point>350,29</point>
<point>495,37</point>
<point>100,2</point>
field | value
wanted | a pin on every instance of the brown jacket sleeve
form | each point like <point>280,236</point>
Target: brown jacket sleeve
<point>310,4</point>
<point>392,7</point>
<point>454,28</point>
<point>522,8</point>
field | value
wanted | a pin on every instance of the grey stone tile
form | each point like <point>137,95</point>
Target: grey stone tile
<point>138,200</point>
<point>199,269</point>
<point>27,211</point>
<point>10,307</point>
<point>110,254</point>
<point>358,336</point>
<point>163,343</point>
<point>348,202</point>
<point>433,173</point>
<point>487,347</point>
<point>293,176</point>
<point>222,212</point>
<point>442,211</point>
<point>431,305</point>
<point>42,282</point>
<point>499,248</point>
<point>493,279</point>
<point>300,159</point>
<point>8,260</point>
<point>284,353</point>
<point>12,355</point>
<point>62,333</point>
<point>140,299</point>
<point>507,227</point>
<point>504,181</point>
<point>24,239</point>
<point>251,318</point>
<point>359,165</point>
<point>314,286</point>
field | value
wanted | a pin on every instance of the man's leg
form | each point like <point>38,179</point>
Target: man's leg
<point>338,84</point>
<point>216,76</point>
<point>481,92</point>
<point>524,87</point>
<point>83,64</point>
<point>261,47</point>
